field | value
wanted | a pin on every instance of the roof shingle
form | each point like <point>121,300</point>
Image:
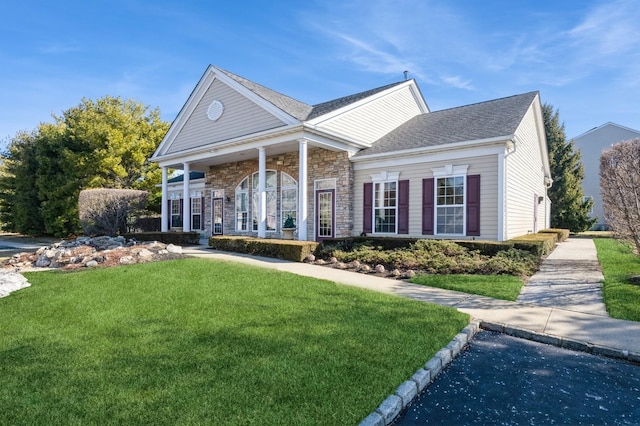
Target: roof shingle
<point>484,120</point>
<point>298,109</point>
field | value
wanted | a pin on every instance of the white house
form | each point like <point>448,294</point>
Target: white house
<point>377,162</point>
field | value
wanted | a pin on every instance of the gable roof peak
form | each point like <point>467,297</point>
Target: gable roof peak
<point>298,109</point>
<point>291,106</point>
<point>328,106</point>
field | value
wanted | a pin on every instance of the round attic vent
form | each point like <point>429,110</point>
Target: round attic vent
<point>215,110</point>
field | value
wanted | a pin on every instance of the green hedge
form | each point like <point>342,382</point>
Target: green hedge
<point>295,251</point>
<point>562,234</point>
<point>488,248</point>
<point>383,243</point>
<point>180,238</point>
<point>540,244</point>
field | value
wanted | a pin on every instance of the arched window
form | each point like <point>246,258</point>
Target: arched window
<point>288,197</point>
<point>272,201</point>
<point>242,205</point>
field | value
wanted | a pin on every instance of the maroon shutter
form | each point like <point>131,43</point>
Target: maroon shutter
<point>182,210</point>
<point>169,218</point>
<point>403,207</point>
<point>367,211</point>
<point>473,205</point>
<point>202,213</point>
<point>427,206</point>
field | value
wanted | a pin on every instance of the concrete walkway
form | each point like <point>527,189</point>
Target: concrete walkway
<point>562,300</point>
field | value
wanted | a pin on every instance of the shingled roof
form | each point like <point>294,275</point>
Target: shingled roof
<point>484,120</point>
<point>293,107</point>
<point>327,107</point>
<point>298,109</point>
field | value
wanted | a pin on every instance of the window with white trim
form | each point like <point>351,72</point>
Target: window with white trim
<point>450,202</point>
<point>385,207</point>
<point>196,213</point>
<point>450,205</point>
<point>176,214</point>
<point>385,202</point>
<point>288,197</point>
<point>271,195</point>
<point>242,205</point>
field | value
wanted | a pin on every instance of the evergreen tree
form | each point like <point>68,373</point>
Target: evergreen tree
<point>19,202</point>
<point>103,143</point>
<point>569,209</point>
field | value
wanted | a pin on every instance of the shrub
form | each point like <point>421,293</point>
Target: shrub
<point>488,248</point>
<point>443,257</point>
<point>539,244</point>
<point>620,189</point>
<point>513,262</point>
<point>106,211</point>
<point>562,234</point>
<point>295,251</point>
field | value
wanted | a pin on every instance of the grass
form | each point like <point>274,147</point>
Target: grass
<point>505,287</point>
<point>619,264</point>
<point>193,341</point>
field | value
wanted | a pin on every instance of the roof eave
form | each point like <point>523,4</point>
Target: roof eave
<point>498,140</point>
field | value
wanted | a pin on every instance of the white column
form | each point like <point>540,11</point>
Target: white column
<point>164,207</point>
<point>303,196</point>
<point>186,200</point>
<point>262,194</point>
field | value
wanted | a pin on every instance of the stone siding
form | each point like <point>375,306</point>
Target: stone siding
<point>322,164</point>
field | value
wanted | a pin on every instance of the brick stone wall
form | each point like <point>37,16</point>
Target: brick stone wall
<point>322,164</point>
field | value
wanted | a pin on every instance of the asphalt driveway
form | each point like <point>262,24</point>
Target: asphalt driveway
<point>501,379</point>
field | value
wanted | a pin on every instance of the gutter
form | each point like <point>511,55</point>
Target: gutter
<point>436,148</point>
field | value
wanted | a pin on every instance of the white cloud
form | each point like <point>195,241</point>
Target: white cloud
<point>458,82</point>
<point>610,29</point>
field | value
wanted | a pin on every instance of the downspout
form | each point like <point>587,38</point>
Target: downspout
<point>548,182</point>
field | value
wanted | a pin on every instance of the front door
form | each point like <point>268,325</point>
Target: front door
<point>217,216</point>
<point>325,214</point>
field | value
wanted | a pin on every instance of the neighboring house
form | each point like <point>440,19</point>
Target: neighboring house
<point>591,144</point>
<point>376,162</point>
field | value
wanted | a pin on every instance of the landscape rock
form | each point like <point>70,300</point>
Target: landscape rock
<point>10,282</point>
<point>174,249</point>
<point>92,252</point>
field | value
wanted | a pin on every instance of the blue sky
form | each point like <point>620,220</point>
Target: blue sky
<point>582,55</point>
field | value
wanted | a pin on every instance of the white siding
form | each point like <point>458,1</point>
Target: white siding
<point>375,119</point>
<point>525,180</point>
<point>241,117</point>
<point>486,166</point>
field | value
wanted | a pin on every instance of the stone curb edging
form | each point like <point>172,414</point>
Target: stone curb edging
<point>562,342</point>
<point>393,405</point>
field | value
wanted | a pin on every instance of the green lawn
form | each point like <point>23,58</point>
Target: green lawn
<point>621,297</point>
<point>194,341</point>
<point>505,287</point>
